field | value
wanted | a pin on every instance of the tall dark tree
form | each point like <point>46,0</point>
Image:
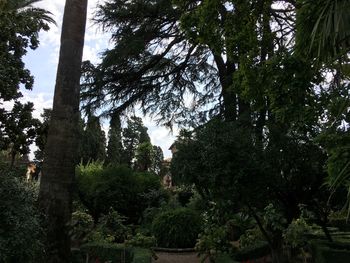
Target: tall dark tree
<point>115,146</point>
<point>133,135</point>
<point>93,141</point>
<point>56,186</point>
<point>144,156</point>
<point>157,160</point>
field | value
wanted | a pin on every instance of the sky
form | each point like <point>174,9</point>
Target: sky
<point>43,61</point>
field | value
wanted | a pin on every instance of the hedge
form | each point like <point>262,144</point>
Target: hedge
<point>108,252</point>
<point>142,255</point>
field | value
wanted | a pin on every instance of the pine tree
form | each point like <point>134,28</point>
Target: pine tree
<point>115,146</point>
<point>94,141</point>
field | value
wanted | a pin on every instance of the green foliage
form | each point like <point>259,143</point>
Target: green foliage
<point>212,241</point>
<point>140,240</point>
<point>82,224</point>
<point>274,219</point>
<point>144,156</point>
<point>18,129</point>
<point>296,233</point>
<point>134,135</point>
<point>115,147</point>
<point>93,142</point>
<point>20,228</point>
<point>20,24</point>
<point>325,28</point>
<point>220,160</point>
<point>178,228</point>
<point>111,228</point>
<point>250,238</point>
<point>118,187</point>
<point>42,132</point>
<point>108,252</point>
<point>142,256</point>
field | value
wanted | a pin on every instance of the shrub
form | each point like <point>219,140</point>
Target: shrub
<point>101,188</point>
<point>110,229</point>
<point>82,225</point>
<point>105,252</point>
<point>178,228</point>
<point>142,255</point>
<point>20,228</point>
<point>296,233</point>
<point>140,240</point>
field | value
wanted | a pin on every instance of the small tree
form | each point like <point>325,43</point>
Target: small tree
<point>18,130</point>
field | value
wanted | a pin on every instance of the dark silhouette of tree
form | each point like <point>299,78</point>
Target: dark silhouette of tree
<point>115,146</point>
<point>93,141</point>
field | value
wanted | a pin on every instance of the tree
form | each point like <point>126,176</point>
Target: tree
<point>42,132</point>
<point>199,48</point>
<point>144,156</point>
<point>56,186</point>
<point>157,160</point>
<point>93,141</point>
<point>18,130</point>
<point>324,29</point>
<point>115,146</point>
<point>20,24</point>
<point>133,135</point>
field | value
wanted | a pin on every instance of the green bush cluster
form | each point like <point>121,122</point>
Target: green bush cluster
<point>178,228</point>
<point>141,255</point>
<point>101,188</point>
<point>108,252</point>
<point>20,228</point>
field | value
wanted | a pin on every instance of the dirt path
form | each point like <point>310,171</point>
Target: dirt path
<point>164,257</point>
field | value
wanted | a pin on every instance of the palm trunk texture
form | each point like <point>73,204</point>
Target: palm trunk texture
<point>56,189</point>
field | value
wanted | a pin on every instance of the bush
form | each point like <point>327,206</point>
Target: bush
<point>140,240</point>
<point>110,229</point>
<point>178,228</point>
<point>118,187</point>
<point>82,224</point>
<point>108,252</point>
<point>20,228</point>
<point>142,255</point>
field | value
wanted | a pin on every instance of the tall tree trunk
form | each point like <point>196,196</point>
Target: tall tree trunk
<point>55,197</point>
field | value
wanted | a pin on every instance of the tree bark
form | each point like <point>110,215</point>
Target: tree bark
<point>56,188</point>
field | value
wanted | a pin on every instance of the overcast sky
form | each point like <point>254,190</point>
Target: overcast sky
<point>42,63</point>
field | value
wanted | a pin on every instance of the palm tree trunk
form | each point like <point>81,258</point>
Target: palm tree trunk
<point>55,197</point>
